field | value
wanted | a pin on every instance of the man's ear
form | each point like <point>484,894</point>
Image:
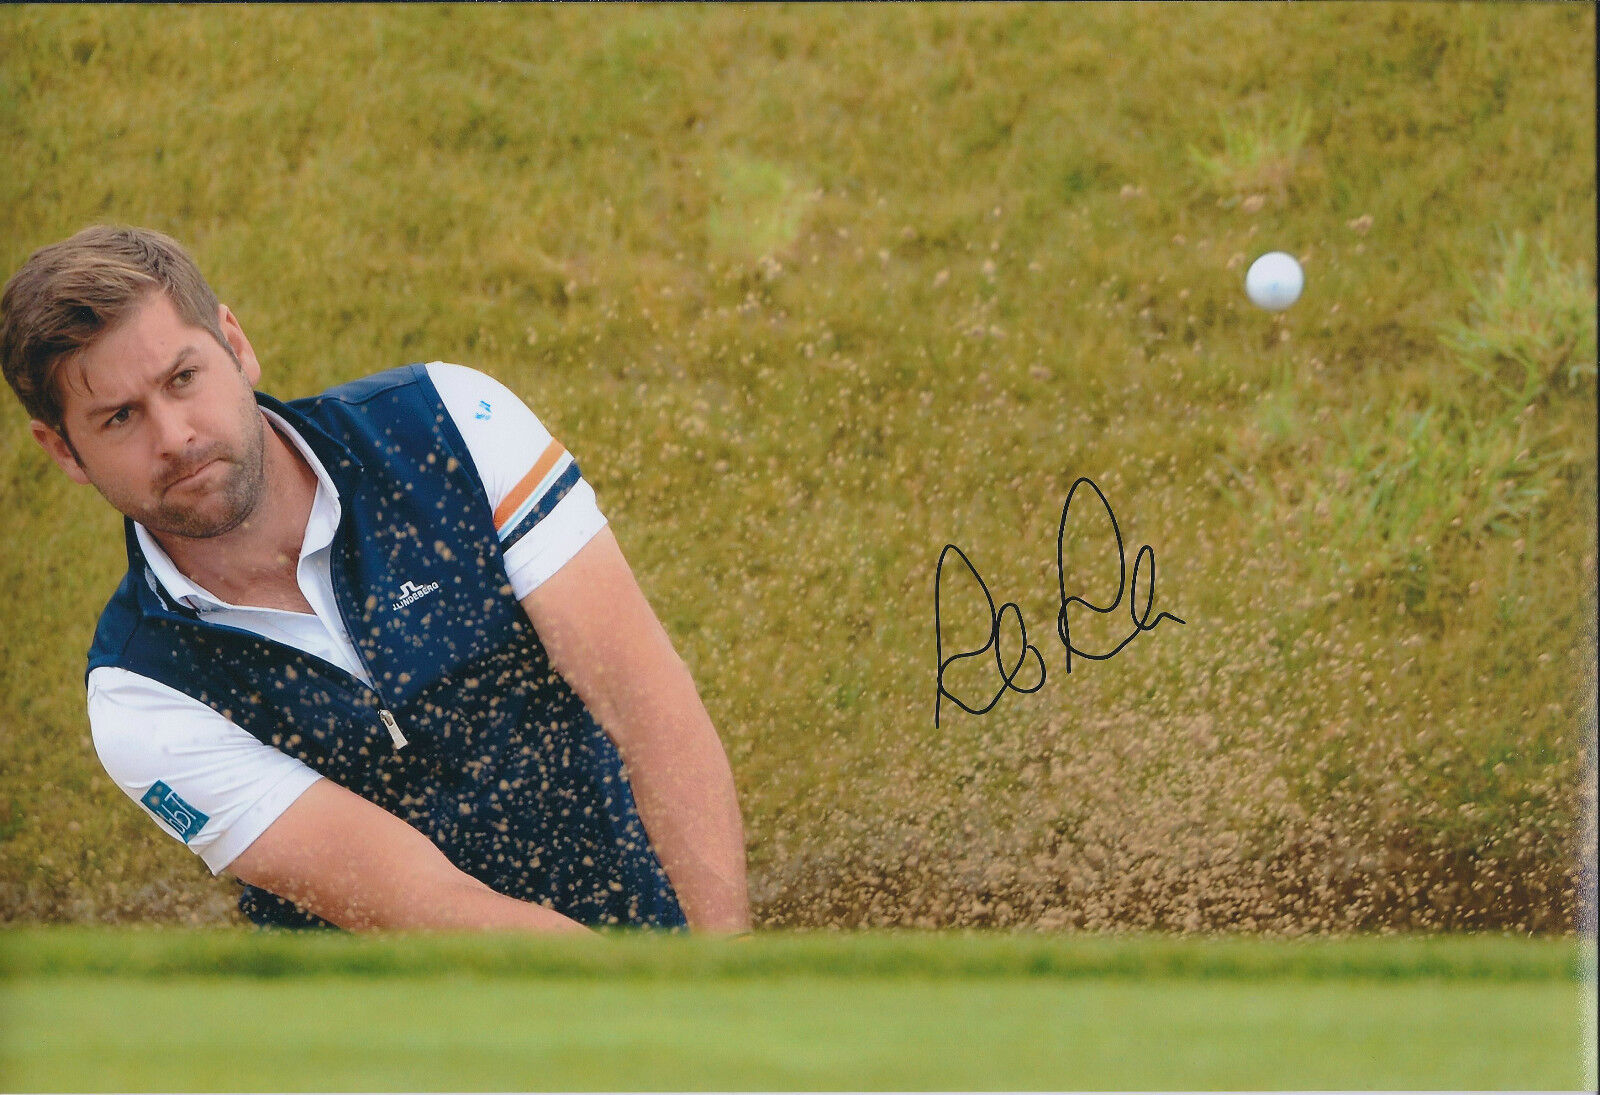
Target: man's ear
<point>240,344</point>
<point>55,443</point>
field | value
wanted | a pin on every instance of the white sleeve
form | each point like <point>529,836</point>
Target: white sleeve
<point>206,780</point>
<point>543,510</point>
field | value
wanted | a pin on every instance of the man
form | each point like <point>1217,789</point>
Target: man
<point>377,653</point>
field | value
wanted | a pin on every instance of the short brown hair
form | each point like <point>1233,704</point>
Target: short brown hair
<point>69,294</point>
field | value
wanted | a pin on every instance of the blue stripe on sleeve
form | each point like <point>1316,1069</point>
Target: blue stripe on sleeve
<point>558,490</point>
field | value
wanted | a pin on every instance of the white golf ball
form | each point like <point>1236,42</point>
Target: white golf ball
<point>1274,281</point>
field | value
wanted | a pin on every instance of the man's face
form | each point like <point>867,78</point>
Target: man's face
<point>159,417</point>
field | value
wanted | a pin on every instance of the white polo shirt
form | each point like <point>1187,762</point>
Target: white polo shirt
<point>145,732</point>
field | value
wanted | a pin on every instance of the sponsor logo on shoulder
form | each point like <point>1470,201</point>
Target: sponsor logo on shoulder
<point>412,592</point>
<point>184,819</point>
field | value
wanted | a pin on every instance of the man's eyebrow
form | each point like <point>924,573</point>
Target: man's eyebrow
<point>178,360</point>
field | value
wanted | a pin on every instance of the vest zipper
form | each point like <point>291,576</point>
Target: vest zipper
<point>393,727</point>
<point>388,719</point>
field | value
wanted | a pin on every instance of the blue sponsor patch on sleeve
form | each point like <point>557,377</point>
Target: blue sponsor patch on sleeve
<point>184,819</point>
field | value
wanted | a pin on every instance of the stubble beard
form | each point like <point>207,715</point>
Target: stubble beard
<point>232,499</point>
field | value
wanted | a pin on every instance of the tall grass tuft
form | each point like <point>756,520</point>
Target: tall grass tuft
<point>1261,152</point>
<point>1530,326</point>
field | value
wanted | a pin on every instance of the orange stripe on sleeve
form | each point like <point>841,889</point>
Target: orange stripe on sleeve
<point>525,486</point>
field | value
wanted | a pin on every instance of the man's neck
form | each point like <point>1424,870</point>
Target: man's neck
<point>256,563</point>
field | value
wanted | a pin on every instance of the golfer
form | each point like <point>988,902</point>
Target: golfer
<point>377,653</point>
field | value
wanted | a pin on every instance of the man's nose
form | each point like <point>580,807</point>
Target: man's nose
<point>171,430</point>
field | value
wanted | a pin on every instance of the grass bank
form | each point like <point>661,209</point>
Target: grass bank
<point>812,292</point>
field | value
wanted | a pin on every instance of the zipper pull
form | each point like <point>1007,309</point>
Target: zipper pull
<point>393,728</point>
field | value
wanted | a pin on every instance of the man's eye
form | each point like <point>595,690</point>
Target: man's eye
<point>118,418</point>
<point>182,378</point>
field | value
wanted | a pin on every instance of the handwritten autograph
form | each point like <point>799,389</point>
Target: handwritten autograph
<point>1009,676</point>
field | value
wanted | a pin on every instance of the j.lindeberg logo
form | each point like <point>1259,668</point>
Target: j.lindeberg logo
<point>413,592</point>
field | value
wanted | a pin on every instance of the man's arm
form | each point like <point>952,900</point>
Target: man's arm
<point>358,866</point>
<point>605,641</point>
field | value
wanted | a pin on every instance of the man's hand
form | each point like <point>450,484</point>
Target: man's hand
<point>358,866</point>
<point>605,641</point>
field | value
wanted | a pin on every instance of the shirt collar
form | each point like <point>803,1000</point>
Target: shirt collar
<point>320,527</point>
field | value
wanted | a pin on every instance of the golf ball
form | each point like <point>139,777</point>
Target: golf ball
<point>1274,281</point>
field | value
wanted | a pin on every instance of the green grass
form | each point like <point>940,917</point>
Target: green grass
<point>796,1032</point>
<point>812,291</point>
<point>59,952</point>
<point>224,1011</point>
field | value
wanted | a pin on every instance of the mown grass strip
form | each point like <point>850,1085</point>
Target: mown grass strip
<point>443,1032</point>
<point>35,952</point>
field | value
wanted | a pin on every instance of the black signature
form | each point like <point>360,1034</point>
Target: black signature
<point>1008,675</point>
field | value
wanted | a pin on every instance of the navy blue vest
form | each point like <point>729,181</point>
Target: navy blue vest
<point>504,767</point>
